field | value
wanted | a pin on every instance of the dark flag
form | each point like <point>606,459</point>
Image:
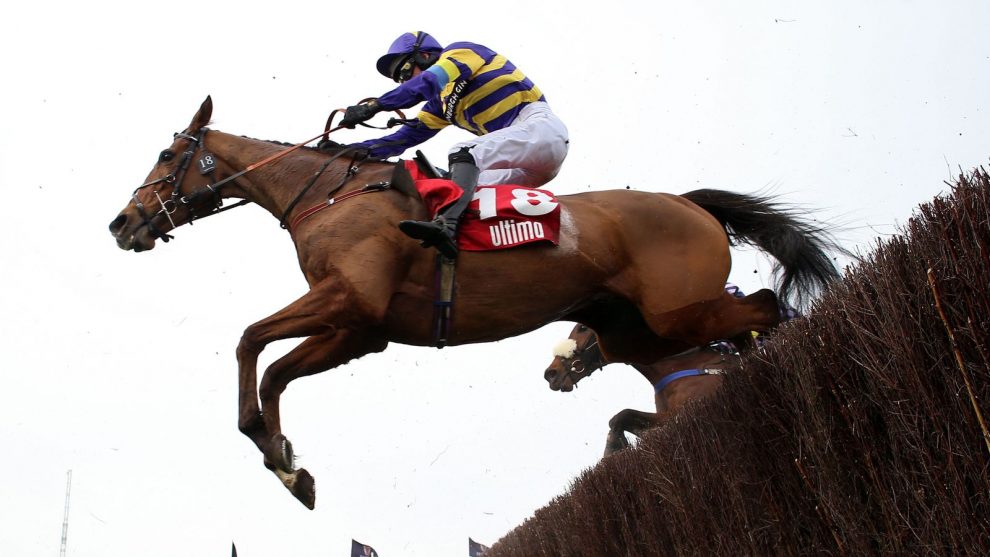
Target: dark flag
<point>233,550</point>
<point>358,549</point>
<point>475,549</point>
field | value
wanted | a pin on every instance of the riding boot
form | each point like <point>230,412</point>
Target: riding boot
<point>442,230</point>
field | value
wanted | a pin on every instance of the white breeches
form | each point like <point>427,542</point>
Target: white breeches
<point>528,153</point>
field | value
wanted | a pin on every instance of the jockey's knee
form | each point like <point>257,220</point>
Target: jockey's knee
<point>461,155</point>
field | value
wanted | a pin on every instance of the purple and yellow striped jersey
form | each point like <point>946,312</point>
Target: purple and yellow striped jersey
<point>470,86</point>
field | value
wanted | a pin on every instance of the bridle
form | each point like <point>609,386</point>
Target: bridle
<point>583,361</point>
<point>207,166</point>
<point>168,207</point>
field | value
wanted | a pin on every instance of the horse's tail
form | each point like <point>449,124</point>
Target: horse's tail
<point>803,266</point>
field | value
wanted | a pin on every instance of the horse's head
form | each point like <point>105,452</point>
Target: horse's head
<point>172,195</point>
<point>574,359</point>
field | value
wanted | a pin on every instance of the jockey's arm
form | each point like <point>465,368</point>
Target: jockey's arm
<point>396,143</point>
<point>423,87</point>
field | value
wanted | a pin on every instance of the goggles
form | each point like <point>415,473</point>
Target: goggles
<point>402,68</point>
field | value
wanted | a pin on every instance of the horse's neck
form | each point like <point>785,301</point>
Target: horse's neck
<point>274,185</point>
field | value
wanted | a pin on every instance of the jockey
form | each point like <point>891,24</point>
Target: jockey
<point>519,139</point>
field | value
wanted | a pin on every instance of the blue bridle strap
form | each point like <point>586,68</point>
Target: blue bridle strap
<point>678,375</point>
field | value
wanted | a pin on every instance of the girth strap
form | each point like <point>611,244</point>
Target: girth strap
<point>444,303</point>
<point>684,373</point>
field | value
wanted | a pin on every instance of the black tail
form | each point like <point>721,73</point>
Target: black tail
<point>803,266</point>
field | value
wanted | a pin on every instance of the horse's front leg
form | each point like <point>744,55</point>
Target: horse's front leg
<point>616,441</point>
<point>633,421</point>
<point>314,315</point>
<point>315,354</point>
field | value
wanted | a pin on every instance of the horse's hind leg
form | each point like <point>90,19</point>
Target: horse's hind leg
<point>313,315</point>
<point>296,320</point>
<point>724,318</point>
<point>758,312</point>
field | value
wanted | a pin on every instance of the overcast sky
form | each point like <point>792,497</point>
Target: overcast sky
<point>120,366</point>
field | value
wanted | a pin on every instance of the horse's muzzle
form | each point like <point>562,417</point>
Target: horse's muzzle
<point>131,233</point>
<point>558,380</point>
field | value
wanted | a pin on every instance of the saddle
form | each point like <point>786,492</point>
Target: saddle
<point>500,217</point>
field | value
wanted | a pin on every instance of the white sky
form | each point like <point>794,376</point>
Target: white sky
<point>121,366</point>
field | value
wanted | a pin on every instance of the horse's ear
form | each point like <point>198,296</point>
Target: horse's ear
<point>203,115</point>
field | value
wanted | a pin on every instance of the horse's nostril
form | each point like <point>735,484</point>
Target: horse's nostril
<point>549,374</point>
<point>118,223</point>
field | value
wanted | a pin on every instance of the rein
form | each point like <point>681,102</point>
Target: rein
<point>208,166</point>
<point>392,122</point>
<point>169,206</point>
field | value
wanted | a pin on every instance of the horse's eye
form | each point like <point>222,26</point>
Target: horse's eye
<point>166,156</point>
<point>582,328</point>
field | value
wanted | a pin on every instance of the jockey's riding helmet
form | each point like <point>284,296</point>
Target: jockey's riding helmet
<point>418,48</point>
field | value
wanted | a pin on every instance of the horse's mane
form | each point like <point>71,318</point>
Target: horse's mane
<point>328,147</point>
<point>401,179</point>
<point>287,144</point>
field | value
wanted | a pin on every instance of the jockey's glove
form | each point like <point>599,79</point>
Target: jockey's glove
<point>358,113</point>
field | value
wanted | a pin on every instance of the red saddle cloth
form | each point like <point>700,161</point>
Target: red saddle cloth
<point>499,217</point>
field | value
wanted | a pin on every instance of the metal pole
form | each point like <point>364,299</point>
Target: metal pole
<point>65,517</point>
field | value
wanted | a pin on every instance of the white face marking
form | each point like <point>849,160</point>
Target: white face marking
<point>565,349</point>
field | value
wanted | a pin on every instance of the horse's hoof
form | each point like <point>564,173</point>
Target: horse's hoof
<point>305,489</point>
<point>301,484</point>
<point>616,442</point>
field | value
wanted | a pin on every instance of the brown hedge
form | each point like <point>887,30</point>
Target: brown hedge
<point>858,431</point>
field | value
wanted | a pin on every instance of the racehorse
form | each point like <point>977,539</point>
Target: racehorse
<point>645,270</point>
<point>677,380</point>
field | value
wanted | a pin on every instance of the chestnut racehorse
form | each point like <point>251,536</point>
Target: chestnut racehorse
<point>677,380</point>
<point>645,270</point>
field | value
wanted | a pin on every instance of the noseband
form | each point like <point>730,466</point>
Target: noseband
<point>581,360</point>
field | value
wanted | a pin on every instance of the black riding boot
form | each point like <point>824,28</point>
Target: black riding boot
<point>442,231</point>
